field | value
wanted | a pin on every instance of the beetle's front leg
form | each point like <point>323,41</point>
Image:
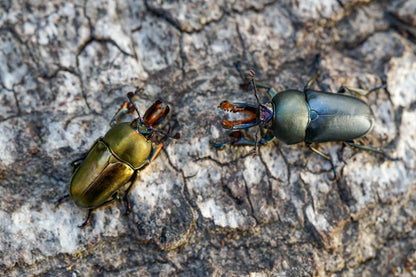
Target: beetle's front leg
<point>271,91</point>
<point>234,138</point>
<point>124,109</point>
<point>237,138</point>
<point>155,152</point>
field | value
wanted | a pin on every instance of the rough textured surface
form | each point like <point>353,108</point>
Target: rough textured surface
<point>197,211</point>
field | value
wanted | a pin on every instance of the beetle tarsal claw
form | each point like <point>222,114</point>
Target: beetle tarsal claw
<point>252,111</point>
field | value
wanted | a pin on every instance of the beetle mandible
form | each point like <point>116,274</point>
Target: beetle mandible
<point>115,159</point>
<point>308,116</point>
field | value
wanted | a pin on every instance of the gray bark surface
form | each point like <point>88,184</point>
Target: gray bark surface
<point>65,69</point>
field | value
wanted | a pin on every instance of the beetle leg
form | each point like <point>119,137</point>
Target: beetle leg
<point>169,135</point>
<point>266,138</point>
<point>155,152</point>
<point>124,109</point>
<point>114,197</point>
<point>271,91</point>
<point>237,138</point>
<point>87,220</point>
<point>237,65</point>
<point>359,91</point>
<point>127,201</point>
<point>325,156</point>
<point>313,80</point>
<point>58,202</point>
<point>125,198</point>
<point>76,163</point>
<point>372,149</point>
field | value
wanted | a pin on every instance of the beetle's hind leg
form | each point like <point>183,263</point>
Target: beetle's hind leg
<point>89,216</point>
<point>87,220</point>
<point>359,91</point>
<point>311,81</point>
<point>372,149</point>
<point>325,156</point>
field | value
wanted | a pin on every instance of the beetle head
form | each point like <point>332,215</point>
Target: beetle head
<point>152,117</point>
<point>145,125</point>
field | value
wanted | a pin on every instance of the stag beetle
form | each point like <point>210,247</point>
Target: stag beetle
<point>303,116</point>
<point>115,159</point>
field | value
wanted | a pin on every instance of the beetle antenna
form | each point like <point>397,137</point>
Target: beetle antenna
<point>168,134</point>
<point>251,78</point>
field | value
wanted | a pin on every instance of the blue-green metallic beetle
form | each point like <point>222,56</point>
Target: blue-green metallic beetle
<point>115,159</point>
<point>303,116</point>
